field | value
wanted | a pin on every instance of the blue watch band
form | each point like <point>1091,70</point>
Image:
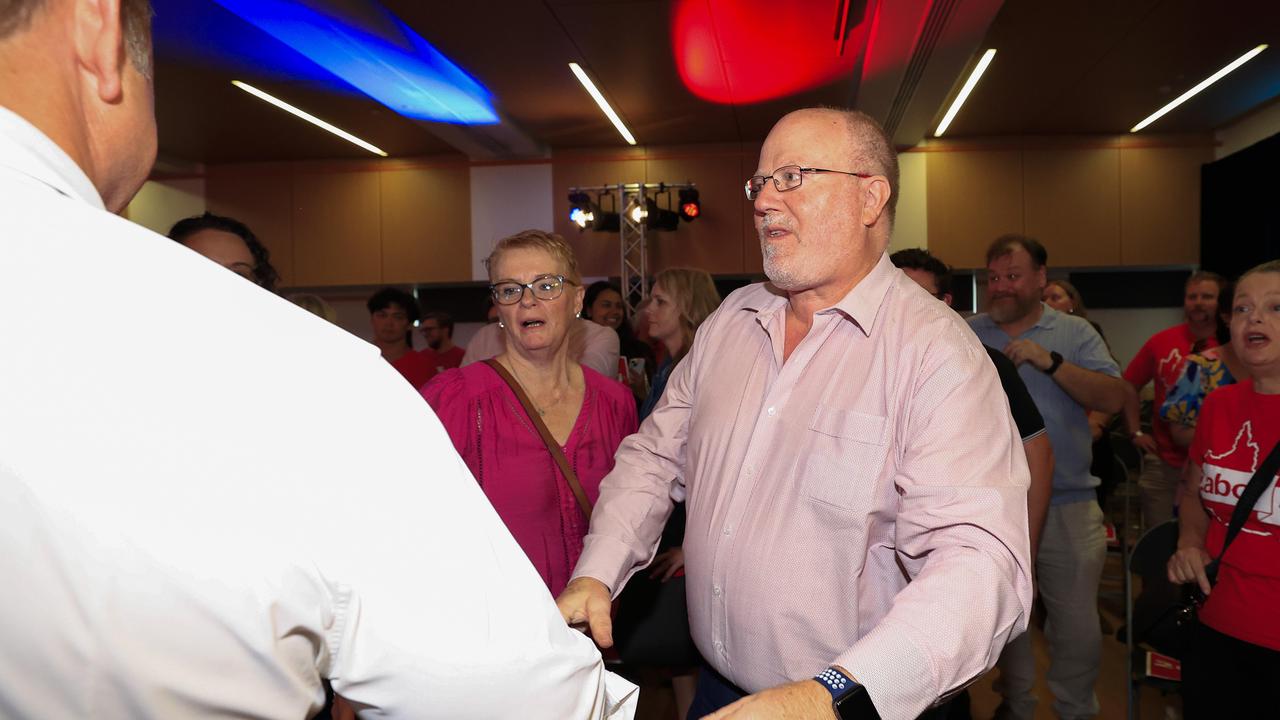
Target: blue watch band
<point>836,683</point>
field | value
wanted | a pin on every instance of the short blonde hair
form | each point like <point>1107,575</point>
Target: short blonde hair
<point>548,242</point>
<point>695,296</point>
<point>315,305</point>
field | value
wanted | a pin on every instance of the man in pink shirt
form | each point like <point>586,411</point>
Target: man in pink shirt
<point>1160,361</point>
<point>856,488</point>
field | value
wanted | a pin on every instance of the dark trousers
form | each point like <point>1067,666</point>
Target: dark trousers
<point>1223,677</point>
<point>715,692</point>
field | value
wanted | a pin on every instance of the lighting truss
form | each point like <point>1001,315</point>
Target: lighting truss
<point>632,235</point>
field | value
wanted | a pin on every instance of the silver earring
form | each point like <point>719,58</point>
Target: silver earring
<point>500,324</point>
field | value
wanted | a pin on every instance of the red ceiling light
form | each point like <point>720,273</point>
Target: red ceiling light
<point>748,51</point>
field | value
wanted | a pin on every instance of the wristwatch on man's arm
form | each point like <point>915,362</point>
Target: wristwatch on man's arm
<point>849,699</point>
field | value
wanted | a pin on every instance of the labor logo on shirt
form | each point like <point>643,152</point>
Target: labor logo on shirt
<point>1225,474</point>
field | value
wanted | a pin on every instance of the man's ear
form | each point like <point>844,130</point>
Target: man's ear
<point>876,197</point>
<point>99,45</point>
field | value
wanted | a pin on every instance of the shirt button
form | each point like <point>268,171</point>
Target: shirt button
<point>772,412</point>
<point>715,591</point>
<point>727,531</point>
<point>719,646</point>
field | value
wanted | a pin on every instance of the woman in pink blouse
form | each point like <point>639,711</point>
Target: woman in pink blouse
<point>538,291</point>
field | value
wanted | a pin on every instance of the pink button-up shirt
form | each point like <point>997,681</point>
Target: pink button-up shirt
<point>862,504</point>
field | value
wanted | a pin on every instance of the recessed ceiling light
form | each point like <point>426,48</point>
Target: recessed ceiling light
<point>1202,85</point>
<point>964,91</point>
<point>604,104</point>
<point>308,117</point>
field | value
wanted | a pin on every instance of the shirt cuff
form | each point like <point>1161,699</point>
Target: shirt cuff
<point>605,559</point>
<point>896,672</point>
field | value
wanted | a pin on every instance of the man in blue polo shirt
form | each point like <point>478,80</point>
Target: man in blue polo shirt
<point>1068,370</point>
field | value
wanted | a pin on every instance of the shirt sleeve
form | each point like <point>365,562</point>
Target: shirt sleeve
<point>1142,368</point>
<point>601,349</point>
<point>1182,403</point>
<point>447,395</point>
<point>1023,408</point>
<point>961,534</point>
<point>437,613</point>
<point>1091,352</point>
<point>636,497</point>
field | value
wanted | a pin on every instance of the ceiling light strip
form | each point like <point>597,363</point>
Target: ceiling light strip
<point>604,104</point>
<point>308,117</point>
<point>1203,84</point>
<point>969,84</point>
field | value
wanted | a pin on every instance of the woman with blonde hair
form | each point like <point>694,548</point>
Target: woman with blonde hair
<point>681,299</point>
<point>652,625</point>
<point>537,429</point>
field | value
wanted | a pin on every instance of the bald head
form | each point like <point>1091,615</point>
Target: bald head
<point>863,145</point>
<point>63,68</point>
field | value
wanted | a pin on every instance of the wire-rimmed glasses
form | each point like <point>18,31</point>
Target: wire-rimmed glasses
<point>788,177</point>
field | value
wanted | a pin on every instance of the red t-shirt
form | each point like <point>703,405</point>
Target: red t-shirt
<point>1161,359</point>
<point>416,367</point>
<point>1236,430</point>
<point>449,359</point>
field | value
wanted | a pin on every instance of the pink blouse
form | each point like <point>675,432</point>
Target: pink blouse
<point>501,446</point>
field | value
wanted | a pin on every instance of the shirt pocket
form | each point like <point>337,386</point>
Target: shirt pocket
<point>845,458</point>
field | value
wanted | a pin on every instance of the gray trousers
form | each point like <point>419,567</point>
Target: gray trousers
<point>1069,568</point>
<point>1156,487</point>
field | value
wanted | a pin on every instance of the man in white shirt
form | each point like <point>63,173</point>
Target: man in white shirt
<point>164,508</point>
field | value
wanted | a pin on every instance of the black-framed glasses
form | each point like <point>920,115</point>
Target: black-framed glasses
<point>789,177</point>
<point>543,287</point>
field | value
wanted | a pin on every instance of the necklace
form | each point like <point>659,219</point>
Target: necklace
<point>542,412</point>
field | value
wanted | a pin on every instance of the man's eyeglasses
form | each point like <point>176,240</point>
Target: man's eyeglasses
<point>543,287</point>
<point>788,177</point>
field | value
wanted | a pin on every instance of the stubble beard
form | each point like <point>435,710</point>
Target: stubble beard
<point>1003,313</point>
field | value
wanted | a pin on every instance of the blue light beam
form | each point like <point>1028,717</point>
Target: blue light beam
<point>406,74</point>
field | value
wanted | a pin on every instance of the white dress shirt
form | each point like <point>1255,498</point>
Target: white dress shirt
<point>229,499</point>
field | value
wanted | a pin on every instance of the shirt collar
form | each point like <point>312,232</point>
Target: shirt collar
<point>861,305</point>
<point>27,150</point>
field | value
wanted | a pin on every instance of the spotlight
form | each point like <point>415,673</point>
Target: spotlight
<point>690,206</point>
<point>657,218</point>
<point>604,221</point>
<point>580,210</point>
<point>637,212</point>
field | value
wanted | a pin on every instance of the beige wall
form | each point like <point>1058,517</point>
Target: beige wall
<point>161,203</point>
<point>1095,202</point>
<point>1092,202</point>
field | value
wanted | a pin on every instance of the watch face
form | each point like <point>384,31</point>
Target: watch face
<point>855,705</point>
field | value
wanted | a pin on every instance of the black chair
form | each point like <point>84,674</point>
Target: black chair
<point>1149,560</point>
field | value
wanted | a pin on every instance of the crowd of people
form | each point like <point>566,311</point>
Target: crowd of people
<point>824,495</point>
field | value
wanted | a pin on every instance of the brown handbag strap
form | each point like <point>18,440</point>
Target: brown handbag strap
<point>553,447</point>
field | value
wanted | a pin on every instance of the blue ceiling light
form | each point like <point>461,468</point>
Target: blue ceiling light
<point>375,53</point>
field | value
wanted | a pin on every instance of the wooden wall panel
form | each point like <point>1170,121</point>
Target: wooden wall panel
<point>598,253</point>
<point>1160,205</point>
<point>426,224</point>
<point>260,196</point>
<point>974,197</point>
<point>712,242</point>
<point>337,228</point>
<point>1072,204</point>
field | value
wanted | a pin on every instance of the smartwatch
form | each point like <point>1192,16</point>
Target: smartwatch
<point>1056,357</point>
<point>849,699</point>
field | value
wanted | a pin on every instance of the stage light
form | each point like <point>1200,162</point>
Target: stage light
<point>637,212</point>
<point>580,213</point>
<point>657,218</point>
<point>690,206</point>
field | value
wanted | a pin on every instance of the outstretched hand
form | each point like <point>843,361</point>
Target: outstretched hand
<point>585,604</point>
